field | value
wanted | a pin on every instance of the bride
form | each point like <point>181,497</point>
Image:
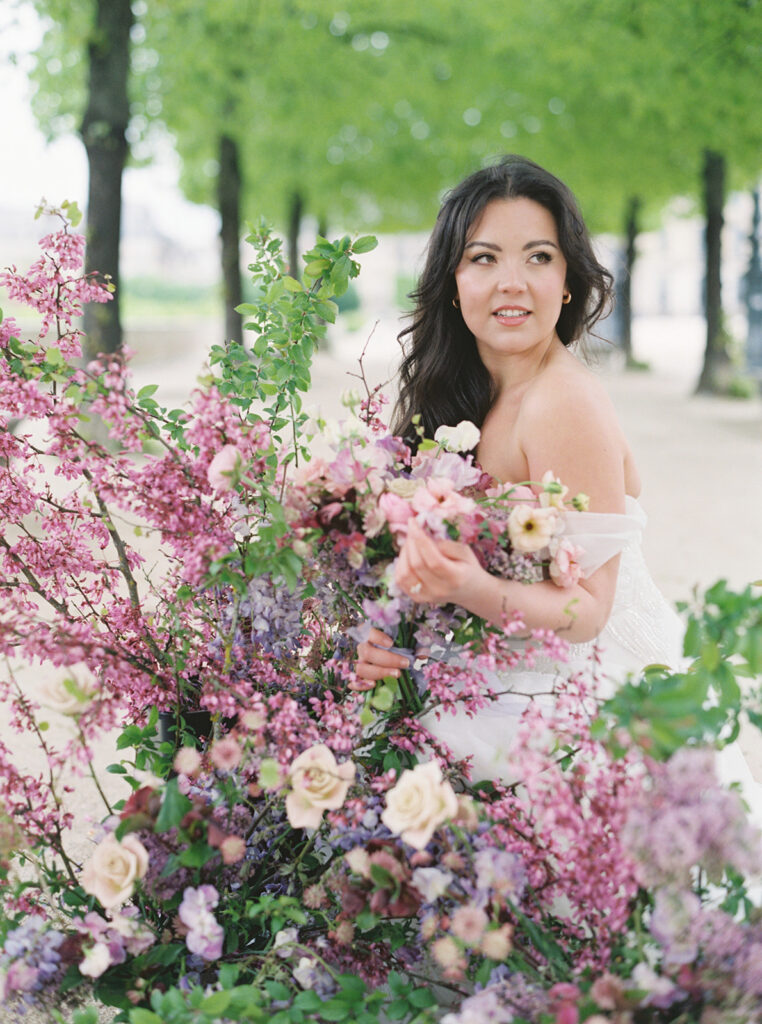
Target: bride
<point>510,284</point>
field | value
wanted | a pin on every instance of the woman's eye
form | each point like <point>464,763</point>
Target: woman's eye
<point>483,257</point>
<point>541,257</point>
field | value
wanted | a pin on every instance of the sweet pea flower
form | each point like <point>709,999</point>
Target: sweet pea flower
<point>114,868</point>
<point>205,935</point>
<point>462,438</point>
<point>565,568</point>
<point>419,803</point>
<point>396,511</point>
<point>531,529</point>
<point>96,960</point>
<point>554,493</point>
<point>224,468</point>
<point>318,783</point>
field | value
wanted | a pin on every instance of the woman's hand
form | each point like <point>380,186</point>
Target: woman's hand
<point>437,571</point>
<point>375,660</point>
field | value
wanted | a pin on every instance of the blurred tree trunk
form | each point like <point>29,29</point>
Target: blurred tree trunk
<point>716,359</point>
<point>295,213</point>
<point>625,294</point>
<point>103,131</point>
<point>229,205</point>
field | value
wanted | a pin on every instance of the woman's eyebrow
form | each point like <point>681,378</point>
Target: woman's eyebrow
<point>497,248</point>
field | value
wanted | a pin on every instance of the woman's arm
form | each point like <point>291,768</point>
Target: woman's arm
<point>446,572</point>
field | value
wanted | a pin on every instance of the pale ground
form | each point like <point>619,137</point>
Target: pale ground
<point>700,460</point>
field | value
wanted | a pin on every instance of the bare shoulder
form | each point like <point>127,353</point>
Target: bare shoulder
<point>568,393</point>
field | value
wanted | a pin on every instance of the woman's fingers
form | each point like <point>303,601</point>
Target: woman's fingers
<point>375,660</point>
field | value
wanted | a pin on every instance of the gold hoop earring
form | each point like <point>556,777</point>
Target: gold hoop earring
<point>456,302</point>
<point>566,298</point>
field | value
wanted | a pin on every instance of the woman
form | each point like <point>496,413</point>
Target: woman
<point>510,283</point>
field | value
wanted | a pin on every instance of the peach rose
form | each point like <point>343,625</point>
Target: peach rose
<point>318,783</point>
<point>532,529</point>
<point>113,869</point>
<point>419,803</point>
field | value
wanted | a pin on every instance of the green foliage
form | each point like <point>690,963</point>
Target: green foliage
<point>707,702</point>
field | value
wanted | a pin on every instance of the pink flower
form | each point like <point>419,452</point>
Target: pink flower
<point>205,935</point>
<point>226,754</point>
<point>565,568</point>
<point>439,501</point>
<point>224,468</point>
<point>233,849</point>
<point>187,761</point>
<point>468,924</point>
<point>396,511</point>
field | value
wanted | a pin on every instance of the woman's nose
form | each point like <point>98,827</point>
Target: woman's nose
<point>511,279</point>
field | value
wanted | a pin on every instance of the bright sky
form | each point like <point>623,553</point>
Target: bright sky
<point>30,169</point>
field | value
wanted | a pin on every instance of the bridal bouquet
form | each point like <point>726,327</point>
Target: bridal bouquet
<point>317,855</point>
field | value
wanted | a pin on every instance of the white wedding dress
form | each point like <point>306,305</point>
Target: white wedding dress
<point>642,630</point>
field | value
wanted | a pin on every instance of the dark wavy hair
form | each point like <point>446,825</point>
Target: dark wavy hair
<point>442,377</point>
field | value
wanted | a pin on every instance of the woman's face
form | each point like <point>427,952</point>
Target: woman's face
<point>511,279</point>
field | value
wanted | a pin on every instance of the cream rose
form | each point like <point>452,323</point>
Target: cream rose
<point>419,803</point>
<point>531,528</point>
<point>318,784</point>
<point>462,438</point>
<point>113,869</point>
<point>69,692</point>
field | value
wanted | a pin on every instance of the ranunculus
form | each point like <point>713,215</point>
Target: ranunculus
<point>565,568</point>
<point>463,438</point>
<point>469,924</point>
<point>96,960</point>
<point>113,869</point>
<point>531,528</point>
<point>318,783</point>
<point>419,803</point>
<point>224,468</point>
<point>70,691</point>
<point>187,761</point>
<point>226,754</point>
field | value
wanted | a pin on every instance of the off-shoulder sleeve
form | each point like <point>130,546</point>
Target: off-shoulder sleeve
<point>602,535</point>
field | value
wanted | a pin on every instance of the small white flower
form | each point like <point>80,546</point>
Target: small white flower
<point>97,959</point>
<point>431,883</point>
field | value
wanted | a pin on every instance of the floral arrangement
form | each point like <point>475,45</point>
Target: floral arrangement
<point>318,854</point>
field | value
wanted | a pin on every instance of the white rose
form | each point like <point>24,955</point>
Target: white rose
<point>113,869</point>
<point>318,783</point>
<point>70,691</point>
<point>419,803</point>
<point>532,529</point>
<point>96,960</point>
<point>463,438</point>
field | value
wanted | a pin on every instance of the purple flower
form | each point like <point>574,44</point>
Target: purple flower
<point>205,935</point>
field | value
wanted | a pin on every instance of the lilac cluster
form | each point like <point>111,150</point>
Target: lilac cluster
<point>30,960</point>
<point>688,819</point>
<point>506,1000</point>
<point>272,616</point>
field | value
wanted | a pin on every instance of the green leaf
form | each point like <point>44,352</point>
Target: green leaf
<point>422,998</point>
<point>141,1016</point>
<point>277,990</point>
<point>397,1009</point>
<point>308,1001</point>
<point>334,1010</point>
<point>147,391</point>
<point>174,807</point>
<point>217,1002</point>
<point>366,243</point>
